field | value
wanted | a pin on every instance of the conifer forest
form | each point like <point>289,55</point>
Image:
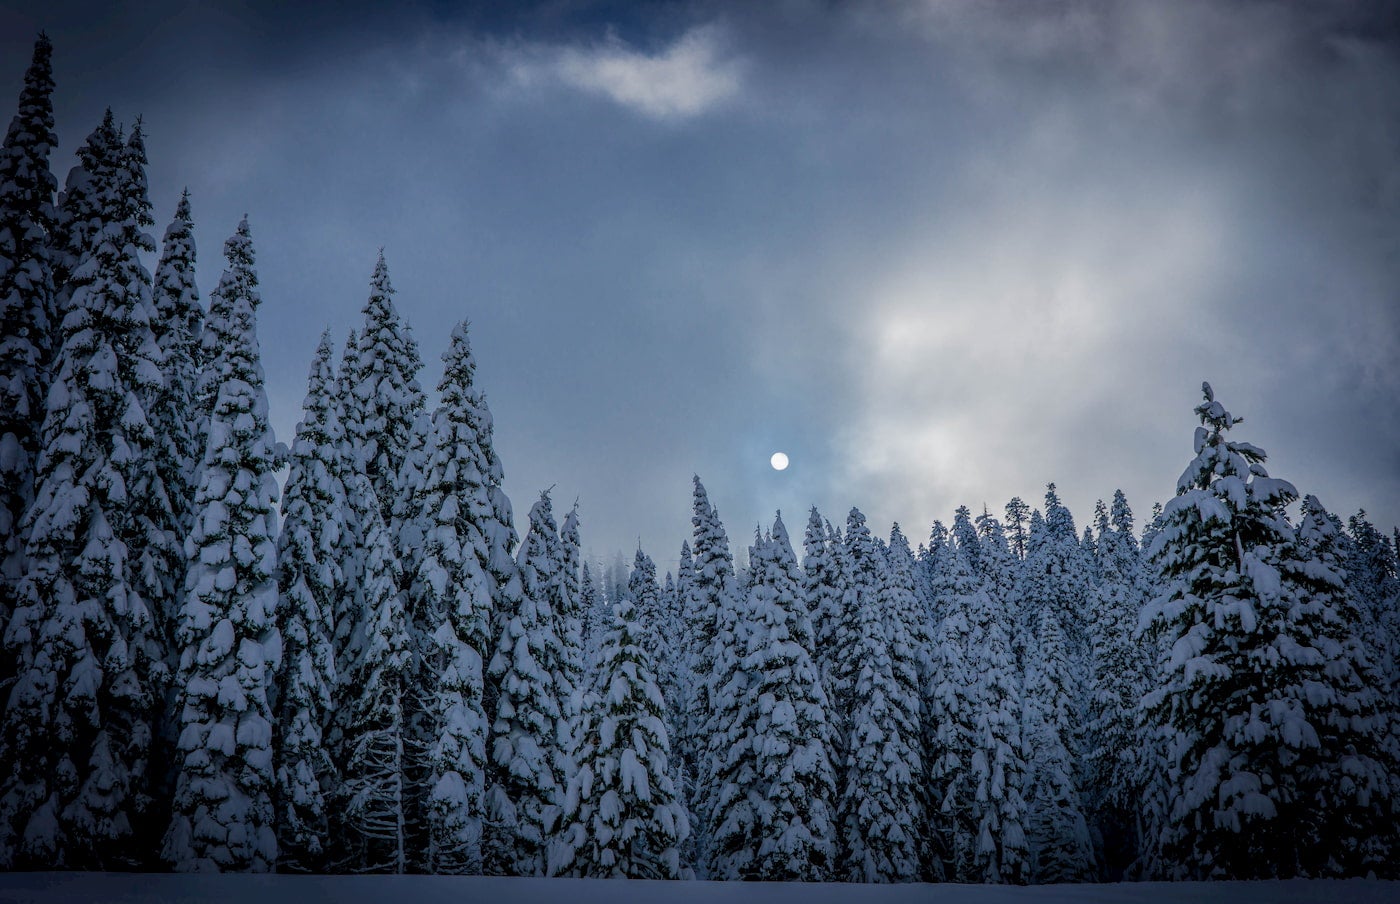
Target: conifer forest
<point>347,652</point>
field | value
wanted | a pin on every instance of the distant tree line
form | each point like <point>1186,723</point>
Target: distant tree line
<point>367,669</point>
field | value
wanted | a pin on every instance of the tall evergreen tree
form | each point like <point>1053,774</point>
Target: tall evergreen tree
<point>794,830</point>
<point>621,815</point>
<point>451,600</point>
<point>997,755</point>
<point>1017,521</point>
<point>711,597</point>
<point>348,620</point>
<point>80,215</point>
<point>1250,674</point>
<point>1117,680</point>
<point>26,308</point>
<point>178,326</point>
<point>1373,580</point>
<point>878,804</point>
<point>310,551</point>
<point>726,768</point>
<point>568,619</point>
<point>1349,781</point>
<point>950,731</point>
<point>385,397</point>
<point>1060,847</point>
<point>524,796</point>
<point>910,639</point>
<point>372,744</point>
<point>88,663</point>
<point>591,601</point>
<point>823,587</point>
<point>230,643</point>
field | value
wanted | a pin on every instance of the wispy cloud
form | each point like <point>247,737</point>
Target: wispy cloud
<point>691,76</point>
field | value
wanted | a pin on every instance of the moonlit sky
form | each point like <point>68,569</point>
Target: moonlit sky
<point>938,253</point>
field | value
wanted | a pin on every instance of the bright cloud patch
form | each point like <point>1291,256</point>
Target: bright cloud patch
<point>686,79</point>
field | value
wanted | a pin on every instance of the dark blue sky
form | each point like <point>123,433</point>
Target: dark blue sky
<point>938,253</point>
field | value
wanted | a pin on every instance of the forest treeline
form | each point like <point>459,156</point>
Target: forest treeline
<point>367,668</point>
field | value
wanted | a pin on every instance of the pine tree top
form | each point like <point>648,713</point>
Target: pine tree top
<point>26,182</point>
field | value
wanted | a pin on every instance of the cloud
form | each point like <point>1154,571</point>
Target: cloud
<point>688,78</point>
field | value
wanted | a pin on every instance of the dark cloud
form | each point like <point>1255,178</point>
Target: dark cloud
<point>939,253</point>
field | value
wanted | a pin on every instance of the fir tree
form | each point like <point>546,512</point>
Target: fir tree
<point>621,815</point>
<point>523,799</point>
<point>1017,520</point>
<point>726,768</point>
<point>591,601</point>
<point>1058,833</point>
<point>26,307</point>
<point>997,762</point>
<point>1349,781</point>
<point>372,744</point>
<point>1117,680</point>
<point>230,644</point>
<point>570,666</point>
<point>83,639</point>
<point>711,598</point>
<point>80,214</point>
<point>878,801</point>
<point>451,598</point>
<point>823,588</point>
<point>384,394</point>
<point>1250,676</point>
<point>794,829</point>
<point>1373,580</point>
<point>310,550</point>
<point>951,728</point>
<point>178,327</point>
<point>348,619</point>
<point>910,638</point>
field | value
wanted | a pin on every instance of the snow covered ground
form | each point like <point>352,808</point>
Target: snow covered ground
<point>47,888</point>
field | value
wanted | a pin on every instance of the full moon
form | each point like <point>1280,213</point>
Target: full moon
<point>779,461</point>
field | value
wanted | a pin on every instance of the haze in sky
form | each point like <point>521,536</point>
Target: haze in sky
<point>937,253</point>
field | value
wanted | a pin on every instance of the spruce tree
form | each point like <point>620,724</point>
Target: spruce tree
<point>372,745</point>
<point>1058,833</point>
<point>998,763</point>
<point>348,619</point>
<point>622,818</point>
<point>823,587</point>
<point>451,598</point>
<point>310,551</point>
<point>1349,782</point>
<point>910,638</point>
<point>1117,679</point>
<point>711,597</point>
<point>80,216</point>
<point>524,795</point>
<point>793,793</point>
<point>83,640</point>
<point>570,666</point>
<point>950,731</point>
<point>727,769</point>
<point>26,307</point>
<point>1017,520</point>
<point>178,327</point>
<point>228,634</point>
<point>1373,581</point>
<point>591,601</point>
<point>385,397</point>
<point>659,638</point>
<point>1252,680</point>
<point>878,798</point>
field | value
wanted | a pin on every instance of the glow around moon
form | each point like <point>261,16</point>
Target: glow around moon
<point>779,461</point>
